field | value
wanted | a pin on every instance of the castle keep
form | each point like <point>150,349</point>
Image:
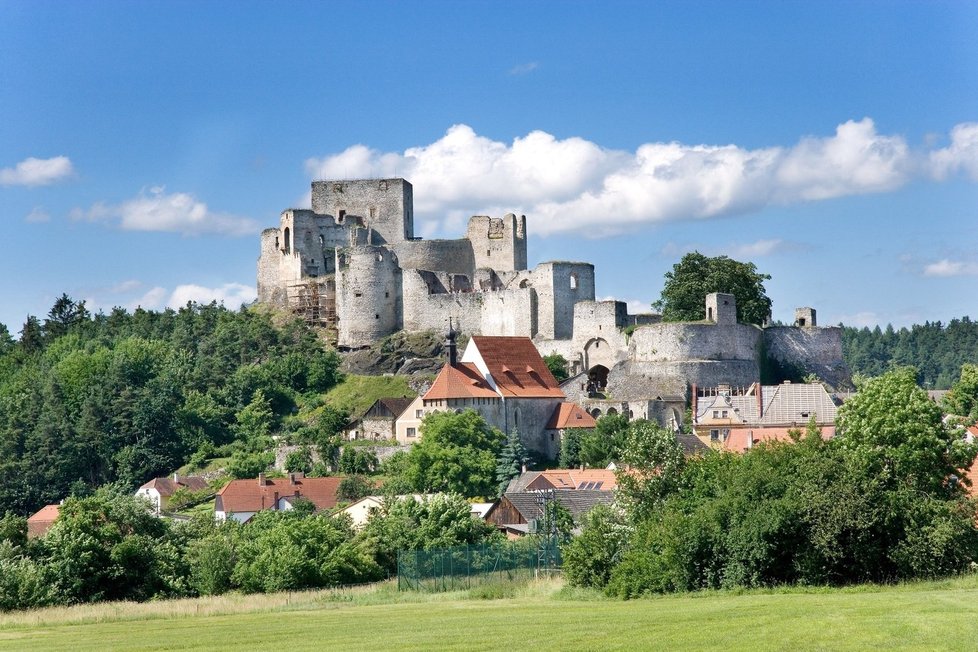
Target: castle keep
<point>353,265</point>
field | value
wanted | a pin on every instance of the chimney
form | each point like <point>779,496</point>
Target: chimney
<point>176,478</point>
<point>292,478</point>
<point>693,399</point>
<point>760,401</point>
<point>450,345</point>
<point>275,500</point>
<point>750,439</point>
<point>261,479</point>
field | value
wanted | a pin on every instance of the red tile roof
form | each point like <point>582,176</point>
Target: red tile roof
<point>460,381</point>
<point>570,415</point>
<point>516,367</point>
<point>240,496</point>
<point>168,486</point>
<point>42,520</point>
<point>593,479</point>
<point>737,440</point>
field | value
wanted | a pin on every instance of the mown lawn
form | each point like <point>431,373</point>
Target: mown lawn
<point>542,617</point>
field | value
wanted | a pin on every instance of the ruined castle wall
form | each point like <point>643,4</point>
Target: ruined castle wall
<point>498,243</point>
<point>454,256</point>
<point>509,312</point>
<point>270,290</point>
<point>684,341</point>
<point>424,311</point>
<point>813,350</point>
<point>368,295</point>
<point>386,206</point>
<point>559,285</point>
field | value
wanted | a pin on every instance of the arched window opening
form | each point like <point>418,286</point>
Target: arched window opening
<point>573,281</point>
<point>288,243</point>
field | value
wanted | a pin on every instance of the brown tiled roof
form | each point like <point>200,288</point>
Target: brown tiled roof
<point>460,381</point>
<point>167,486</point>
<point>42,520</point>
<point>596,479</point>
<point>516,367</point>
<point>241,496</point>
<point>741,439</point>
<point>570,415</point>
<point>391,407</point>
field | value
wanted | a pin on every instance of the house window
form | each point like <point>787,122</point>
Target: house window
<point>714,435</point>
<point>411,432</point>
<point>726,433</point>
<point>418,414</point>
<point>724,414</point>
<point>716,414</point>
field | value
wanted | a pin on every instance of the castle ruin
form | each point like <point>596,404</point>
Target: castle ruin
<point>353,265</point>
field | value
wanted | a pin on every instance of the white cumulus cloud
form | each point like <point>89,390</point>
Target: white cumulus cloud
<point>155,210</point>
<point>37,172</point>
<point>231,295</point>
<point>132,294</point>
<point>960,155</point>
<point>575,185</point>
<point>945,268</point>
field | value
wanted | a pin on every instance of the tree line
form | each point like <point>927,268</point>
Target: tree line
<point>108,546</point>
<point>937,350</point>
<point>886,500</point>
<point>124,397</point>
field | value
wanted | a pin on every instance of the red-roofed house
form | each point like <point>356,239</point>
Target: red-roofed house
<point>42,520</point>
<point>506,381</point>
<point>242,499</point>
<point>740,440</point>
<point>159,490</point>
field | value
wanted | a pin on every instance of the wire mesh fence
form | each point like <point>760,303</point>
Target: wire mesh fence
<point>464,567</point>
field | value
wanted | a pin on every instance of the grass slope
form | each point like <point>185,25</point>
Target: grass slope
<point>357,393</point>
<point>937,615</point>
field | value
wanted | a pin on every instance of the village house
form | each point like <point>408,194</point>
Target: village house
<point>242,499</point>
<point>41,521</point>
<point>158,491</point>
<point>735,418</point>
<point>579,479</point>
<point>378,422</point>
<point>518,513</point>
<point>506,381</point>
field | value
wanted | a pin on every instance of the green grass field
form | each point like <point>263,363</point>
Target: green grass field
<point>543,616</point>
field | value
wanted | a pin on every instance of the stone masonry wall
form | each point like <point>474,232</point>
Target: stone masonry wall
<point>386,206</point>
<point>498,243</point>
<point>813,350</point>
<point>453,256</point>
<point>368,295</point>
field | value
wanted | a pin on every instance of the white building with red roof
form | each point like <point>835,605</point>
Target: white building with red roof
<point>506,381</point>
<point>242,499</point>
<point>158,491</point>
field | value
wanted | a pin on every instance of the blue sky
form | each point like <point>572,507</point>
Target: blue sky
<point>835,144</point>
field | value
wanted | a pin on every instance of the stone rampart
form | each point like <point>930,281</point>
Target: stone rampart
<point>453,256</point>
<point>811,350</point>
<point>667,342</point>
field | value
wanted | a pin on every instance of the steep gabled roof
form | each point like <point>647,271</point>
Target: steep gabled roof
<point>570,415</point>
<point>460,381</point>
<point>255,495</point>
<point>42,520</point>
<point>516,367</point>
<point>390,407</point>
